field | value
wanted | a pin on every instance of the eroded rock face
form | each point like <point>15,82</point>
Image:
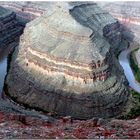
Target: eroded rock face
<point>128,15</point>
<point>9,28</point>
<point>65,65</point>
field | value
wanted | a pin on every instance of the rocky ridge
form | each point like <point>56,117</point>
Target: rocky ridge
<point>66,63</point>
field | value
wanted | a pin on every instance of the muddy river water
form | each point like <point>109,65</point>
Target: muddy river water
<point>124,62</point>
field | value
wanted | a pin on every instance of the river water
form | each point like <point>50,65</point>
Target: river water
<point>123,59</point>
<point>124,62</point>
<point>3,67</point>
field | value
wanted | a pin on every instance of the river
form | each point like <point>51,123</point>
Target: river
<point>124,62</point>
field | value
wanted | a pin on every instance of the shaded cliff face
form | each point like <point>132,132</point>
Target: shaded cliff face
<point>26,11</point>
<point>10,30</point>
<point>128,15</point>
<point>65,65</point>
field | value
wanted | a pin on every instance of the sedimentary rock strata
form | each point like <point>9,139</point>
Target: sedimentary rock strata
<point>65,65</point>
<point>128,13</point>
<point>26,11</point>
<point>9,28</point>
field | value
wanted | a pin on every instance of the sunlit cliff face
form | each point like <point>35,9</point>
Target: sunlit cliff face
<point>70,69</point>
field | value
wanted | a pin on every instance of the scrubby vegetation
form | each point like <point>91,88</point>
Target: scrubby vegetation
<point>135,111</point>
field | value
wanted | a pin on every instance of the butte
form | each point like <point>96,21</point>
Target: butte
<point>65,63</point>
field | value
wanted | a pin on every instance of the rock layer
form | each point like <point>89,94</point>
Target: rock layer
<point>128,13</point>
<point>9,28</point>
<point>26,11</point>
<point>65,65</point>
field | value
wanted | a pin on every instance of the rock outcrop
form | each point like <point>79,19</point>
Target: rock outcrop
<point>65,65</point>
<point>10,30</point>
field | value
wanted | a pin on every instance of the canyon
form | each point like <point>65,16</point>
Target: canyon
<point>128,14</point>
<point>65,69</point>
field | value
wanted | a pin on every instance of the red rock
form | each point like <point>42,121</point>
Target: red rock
<point>48,125</point>
<point>66,119</point>
<point>13,126</point>
<point>1,117</point>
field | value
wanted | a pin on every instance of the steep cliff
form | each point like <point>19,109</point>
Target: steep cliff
<point>9,28</point>
<point>65,65</point>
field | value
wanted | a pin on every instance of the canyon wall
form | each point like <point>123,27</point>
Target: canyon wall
<point>26,11</point>
<point>10,29</point>
<point>128,14</point>
<point>65,63</point>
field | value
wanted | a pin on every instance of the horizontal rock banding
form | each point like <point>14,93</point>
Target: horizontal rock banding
<point>71,71</point>
<point>92,72</point>
<point>67,76</point>
<point>62,61</point>
<point>128,14</point>
<point>10,29</point>
<point>26,11</point>
<point>126,20</point>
